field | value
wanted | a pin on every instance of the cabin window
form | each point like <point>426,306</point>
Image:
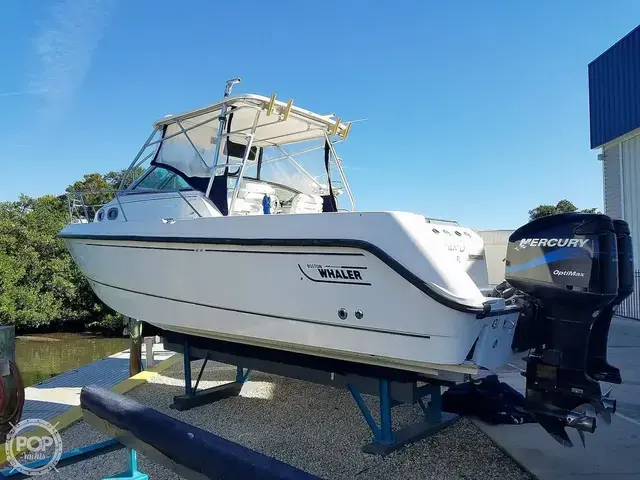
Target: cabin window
<point>161,179</point>
<point>435,230</point>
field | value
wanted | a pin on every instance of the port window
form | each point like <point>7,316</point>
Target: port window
<point>435,230</point>
<point>112,214</point>
<point>467,234</point>
<point>447,232</point>
<point>458,233</point>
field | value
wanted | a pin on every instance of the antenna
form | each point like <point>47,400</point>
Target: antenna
<point>230,84</point>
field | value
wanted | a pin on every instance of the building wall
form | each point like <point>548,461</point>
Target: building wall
<point>495,251</point>
<point>612,181</point>
<point>614,90</point>
<point>621,177</point>
<point>630,182</point>
<point>614,120</point>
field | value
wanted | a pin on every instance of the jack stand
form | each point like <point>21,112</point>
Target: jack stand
<point>386,440</point>
<point>132,472</point>
<point>193,397</point>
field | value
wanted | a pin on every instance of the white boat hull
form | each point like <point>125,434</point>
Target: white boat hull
<point>289,291</point>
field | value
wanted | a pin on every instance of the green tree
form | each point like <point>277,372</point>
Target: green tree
<point>89,194</point>
<point>115,177</point>
<point>40,285</point>
<point>38,281</point>
<point>94,190</point>
<point>563,206</point>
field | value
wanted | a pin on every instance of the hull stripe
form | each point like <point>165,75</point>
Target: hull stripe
<point>228,250</point>
<point>480,311</point>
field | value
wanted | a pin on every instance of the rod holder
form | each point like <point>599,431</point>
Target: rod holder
<point>335,127</point>
<point>345,132</point>
<point>271,104</point>
<point>287,110</point>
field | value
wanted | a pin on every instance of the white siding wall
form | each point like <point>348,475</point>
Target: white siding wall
<point>611,179</point>
<point>495,250</point>
<point>631,188</point>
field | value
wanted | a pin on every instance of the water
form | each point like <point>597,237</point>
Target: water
<point>40,357</point>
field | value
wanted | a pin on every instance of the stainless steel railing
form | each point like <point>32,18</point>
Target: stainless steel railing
<point>84,205</point>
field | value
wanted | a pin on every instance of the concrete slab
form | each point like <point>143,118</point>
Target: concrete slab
<point>612,452</point>
<point>56,395</point>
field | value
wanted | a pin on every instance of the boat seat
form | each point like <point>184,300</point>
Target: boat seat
<point>250,195</point>
<point>303,203</point>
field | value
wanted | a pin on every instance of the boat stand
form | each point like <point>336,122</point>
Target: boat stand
<point>385,439</point>
<point>193,397</point>
<point>391,387</point>
<point>132,472</point>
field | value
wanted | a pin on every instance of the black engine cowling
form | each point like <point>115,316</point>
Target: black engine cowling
<point>597,365</point>
<point>571,270</point>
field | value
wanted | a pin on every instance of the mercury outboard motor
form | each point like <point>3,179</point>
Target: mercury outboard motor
<point>597,365</point>
<point>567,268</point>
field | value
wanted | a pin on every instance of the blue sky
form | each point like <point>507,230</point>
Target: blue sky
<point>478,111</point>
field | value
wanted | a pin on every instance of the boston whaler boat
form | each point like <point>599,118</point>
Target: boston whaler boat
<point>237,231</point>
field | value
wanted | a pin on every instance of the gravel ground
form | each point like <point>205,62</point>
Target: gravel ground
<point>316,428</point>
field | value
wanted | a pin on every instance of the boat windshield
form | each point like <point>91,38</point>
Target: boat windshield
<point>159,178</point>
<point>298,168</point>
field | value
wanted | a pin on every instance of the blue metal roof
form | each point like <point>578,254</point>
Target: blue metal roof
<point>614,90</point>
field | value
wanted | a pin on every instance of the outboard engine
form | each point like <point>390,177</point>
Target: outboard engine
<point>567,268</point>
<point>597,365</point>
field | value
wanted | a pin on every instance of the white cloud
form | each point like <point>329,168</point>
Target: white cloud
<point>64,50</point>
<point>25,92</point>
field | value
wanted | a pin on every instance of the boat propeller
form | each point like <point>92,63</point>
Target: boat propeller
<point>557,407</point>
<point>582,418</point>
<point>605,407</point>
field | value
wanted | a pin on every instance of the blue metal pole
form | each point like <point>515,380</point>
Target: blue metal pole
<point>433,410</point>
<point>187,368</point>
<point>204,364</point>
<point>241,375</point>
<point>365,411</point>
<point>435,404</point>
<point>132,472</point>
<point>132,462</point>
<point>386,434</point>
